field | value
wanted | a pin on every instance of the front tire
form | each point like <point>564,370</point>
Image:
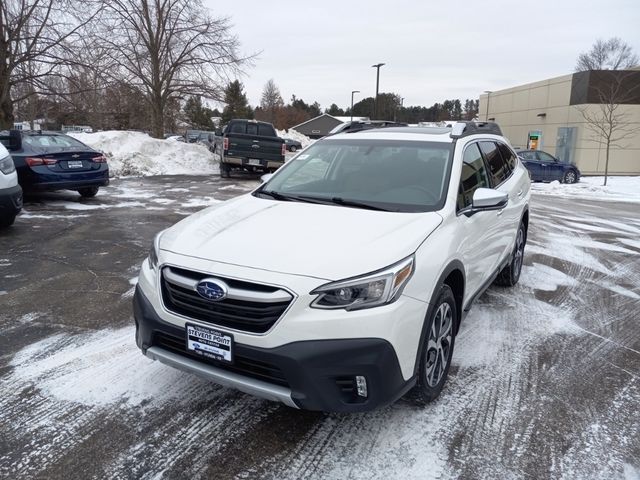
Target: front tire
<point>292,148</point>
<point>510,274</point>
<point>437,349</point>
<point>88,192</point>
<point>570,177</point>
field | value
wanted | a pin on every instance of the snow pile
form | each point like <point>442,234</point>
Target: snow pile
<point>138,154</point>
<point>618,189</point>
<point>294,135</point>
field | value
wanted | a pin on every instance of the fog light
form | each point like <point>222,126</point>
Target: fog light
<point>361,384</point>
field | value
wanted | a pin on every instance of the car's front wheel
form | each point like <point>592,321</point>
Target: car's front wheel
<point>570,177</point>
<point>437,349</point>
<point>510,274</point>
<point>88,192</point>
<point>292,148</point>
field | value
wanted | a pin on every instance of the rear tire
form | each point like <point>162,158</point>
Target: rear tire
<point>225,171</point>
<point>88,192</point>
<point>7,221</point>
<point>510,274</point>
<point>292,148</point>
<point>437,349</point>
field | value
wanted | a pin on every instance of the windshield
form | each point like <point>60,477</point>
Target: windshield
<point>401,176</point>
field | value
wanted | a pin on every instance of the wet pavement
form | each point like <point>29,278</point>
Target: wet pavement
<point>545,381</point>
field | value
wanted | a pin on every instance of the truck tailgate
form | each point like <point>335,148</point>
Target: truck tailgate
<point>252,146</point>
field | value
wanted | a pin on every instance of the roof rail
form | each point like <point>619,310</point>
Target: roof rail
<point>464,129</point>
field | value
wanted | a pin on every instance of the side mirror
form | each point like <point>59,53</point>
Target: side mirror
<point>266,177</point>
<point>485,199</point>
<point>218,132</point>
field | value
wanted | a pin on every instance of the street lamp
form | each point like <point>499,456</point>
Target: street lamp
<point>352,92</point>
<point>486,117</point>
<point>375,100</point>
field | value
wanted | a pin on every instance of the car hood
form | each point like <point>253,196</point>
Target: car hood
<point>322,241</point>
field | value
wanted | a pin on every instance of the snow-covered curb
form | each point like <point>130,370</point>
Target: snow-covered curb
<point>138,154</point>
<point>618,189</point>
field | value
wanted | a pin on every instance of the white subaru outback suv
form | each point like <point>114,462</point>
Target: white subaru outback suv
<point>10,191</point>
<point>341,282</point>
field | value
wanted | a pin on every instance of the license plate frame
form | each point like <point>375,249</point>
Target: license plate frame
<point>209,343</point>
<point>74,164</point>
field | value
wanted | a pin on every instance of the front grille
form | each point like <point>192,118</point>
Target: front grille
<point>242,365</point>
<point>245,315</point>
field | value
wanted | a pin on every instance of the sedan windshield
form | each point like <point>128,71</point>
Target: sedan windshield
<point>400,176</point>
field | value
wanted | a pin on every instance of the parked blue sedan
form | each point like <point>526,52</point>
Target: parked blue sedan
<point>544,167</point>
<point>54,161</point>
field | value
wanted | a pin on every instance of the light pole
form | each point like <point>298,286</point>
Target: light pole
<point>352,92</point>
<point>375,100</point>
<point>488,92</point>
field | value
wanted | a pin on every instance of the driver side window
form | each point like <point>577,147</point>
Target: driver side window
<point>474,175</point>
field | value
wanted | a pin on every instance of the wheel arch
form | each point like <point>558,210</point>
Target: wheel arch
<point>453,276</point>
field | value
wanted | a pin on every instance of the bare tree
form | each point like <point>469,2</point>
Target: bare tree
<point>612,54</point>
<point>608,123</point>
<point>271,101</point>
<point>170,49</point>
<point>36,38</point>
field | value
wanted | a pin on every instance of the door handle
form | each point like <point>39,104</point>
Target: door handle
<point>499,212</point>
<point>543,164</point>
<point>520,193</point>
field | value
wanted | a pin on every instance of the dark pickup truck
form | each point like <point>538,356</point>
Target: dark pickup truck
<point>251,146</point>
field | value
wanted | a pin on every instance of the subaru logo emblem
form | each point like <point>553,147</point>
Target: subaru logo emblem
<point>212,289</point>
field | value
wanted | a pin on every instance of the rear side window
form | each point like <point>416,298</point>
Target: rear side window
<point>508,156</point>
<point>498,169</point>
<point>528,155</point>
<point>237,127</point>
<point>474,175</point>
<point>266,131</point>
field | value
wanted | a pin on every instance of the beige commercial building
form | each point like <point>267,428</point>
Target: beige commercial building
<point>548,115</point>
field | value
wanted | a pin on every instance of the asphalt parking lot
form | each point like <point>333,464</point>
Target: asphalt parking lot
<point>545,380</point>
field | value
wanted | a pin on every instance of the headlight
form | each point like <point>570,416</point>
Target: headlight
<point>371,290</point>
<point>7,166</point>
<point>153,252</point>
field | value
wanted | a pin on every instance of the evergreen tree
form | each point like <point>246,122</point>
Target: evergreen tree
<point>237,103</point>
<point>335,110</point>
<point>199,116</point>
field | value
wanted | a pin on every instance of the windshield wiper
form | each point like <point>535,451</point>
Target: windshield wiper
<point>288,197</point>
<point>357,204</point>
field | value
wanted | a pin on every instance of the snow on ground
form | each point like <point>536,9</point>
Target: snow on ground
<point>138,154</point>
<point>295,135</point>
<point>618,189</point>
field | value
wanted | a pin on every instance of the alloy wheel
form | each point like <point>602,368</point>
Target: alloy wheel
<point>439,344</point>
<point>570,177</point>
<point>519,253</point>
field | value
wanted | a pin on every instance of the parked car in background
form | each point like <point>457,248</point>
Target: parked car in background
<point>544,167</point>
<point>10,191</point>
<point>250,146</point>
<point>54,161</point>
<point>292,145</point>
<point>341,282</point>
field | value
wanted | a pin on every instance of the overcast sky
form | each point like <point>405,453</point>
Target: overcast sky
<point>433,50</point>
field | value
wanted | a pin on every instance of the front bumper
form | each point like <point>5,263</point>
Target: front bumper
<point>10,201</point>
<point>311,374</point>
